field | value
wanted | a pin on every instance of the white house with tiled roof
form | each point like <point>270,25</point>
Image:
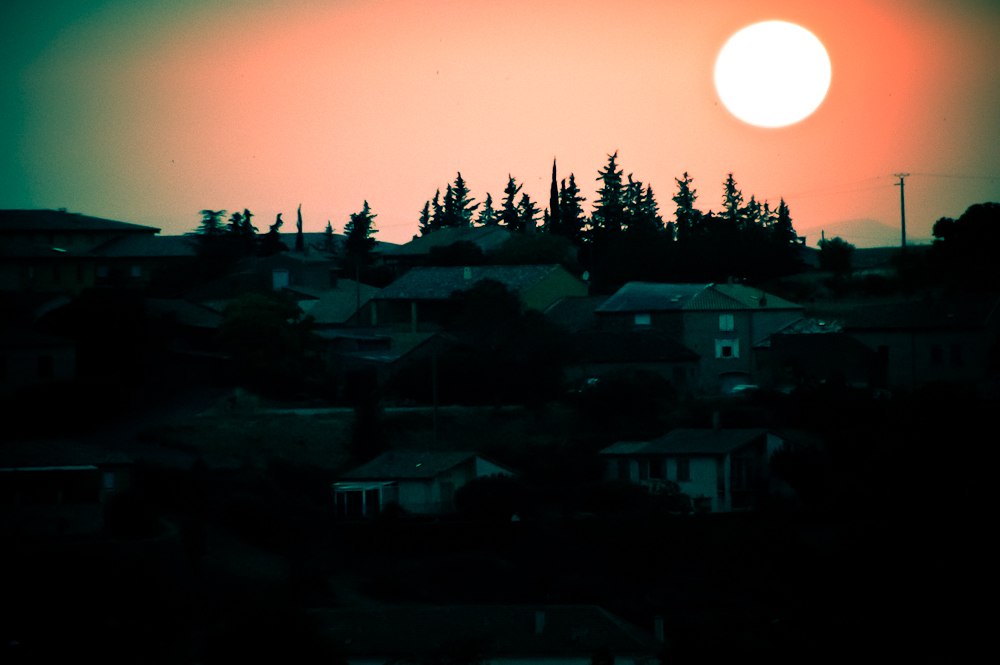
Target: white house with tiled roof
<point>719,322</point>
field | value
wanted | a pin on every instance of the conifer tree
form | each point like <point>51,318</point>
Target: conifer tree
<point>554,222</point>
<point>359,244</point>
<point>300,243</point>
<point>437,213</point>
<point>685,214</point>
<point>509,215</point>
<point>211,225</point>
<point>650,211</point>
<point>487,216</point>
<point>449,209</point>
<point>271,243</point>
<point>732,205</point>
<point>573,221</point>
<point>426,224</point>
<point>608,217</point>
<point>527,214</point>
<point>462,203</point>
<point>329,242</point>
<point>782,231</point>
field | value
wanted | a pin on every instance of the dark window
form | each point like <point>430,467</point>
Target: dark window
<point>956,354</point>
<point>371,502</point>
<point>46,367</point>
<point>937,355</point>
<point>623,470</point>
<point>683,469</point>
<point>656,468</point>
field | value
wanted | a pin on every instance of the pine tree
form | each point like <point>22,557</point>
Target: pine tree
<point>271,243</point>
<point>211,225</point>
<point>450,216</point>
<point>527,214</point>
<point>462,204</point>
<point>608,217</point>
<point>650,211</point>
<point>426,223</point>
<point>329,242</point>
<point>509,215</point>
<point>782,231</point>
<point>487,216</point>
<point>437,213</point>
<point>732,205</point>
<point>359,244</point>
<point>573,221</point>
<point>554,222</point>
<point>685,214</point>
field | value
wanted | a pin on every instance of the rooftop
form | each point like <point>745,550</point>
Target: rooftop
<point>691,442</point>
<point>651,297</point>
<point>439,283</point>
<point>60,220</point>
<point>409,465</point>
<point>487,238</point>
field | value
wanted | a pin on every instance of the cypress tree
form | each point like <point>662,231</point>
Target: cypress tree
<point>685,213</point>
<point>509,215</point>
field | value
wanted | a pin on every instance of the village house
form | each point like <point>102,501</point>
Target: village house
<point>58,487</point>
<point>59,251</point>
<point>419,482</point>
<point>417,252</point>
<point>719,322</point>
<point>501,634</point>
<point>922,342</point>
<point>30,359</point>
<point>598,353</point>
<point>722,470</point>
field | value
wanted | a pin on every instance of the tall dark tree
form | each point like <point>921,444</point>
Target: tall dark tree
<point>732,205</point>
<point>425,223</point>
<point>608,217</point>
<point>329,241</point>
<point>211,224</point>
<point>509,215</point>
<point>300,243</point>
<point>359,243</point>
<point>782,232</point>
<point>835,255</point>
<point>686,214</point>
<point>487,215</point>
<point>463,204</point>
<point>271,242</point>
<point>449,217</point>
<point>554,223</point>
<point>527,215</point>
<point>572,219</point>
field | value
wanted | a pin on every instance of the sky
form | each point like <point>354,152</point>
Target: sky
<point>149,112</point>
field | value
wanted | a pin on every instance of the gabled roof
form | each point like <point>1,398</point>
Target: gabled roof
<point>334,305</point>
<point>137,246</point>
<point>575,312</point>
<point>650,297</point>
<point>967,312</point>
<point>408,465</point>
<point>438,283</point>
<point>691,442</point>
<point>490,631</point>
<point>634,345</point>
<point>60,220</point>
<point>183,312</point>
<point>487,238</point>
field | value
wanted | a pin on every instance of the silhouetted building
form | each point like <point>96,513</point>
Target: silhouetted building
<point>813,351</point>
<point>29,359</point>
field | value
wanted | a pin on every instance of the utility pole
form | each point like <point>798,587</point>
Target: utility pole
<point>902,203</point>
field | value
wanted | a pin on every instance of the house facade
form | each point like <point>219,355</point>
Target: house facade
<point>722,470</point>
<point>719,322</point>
<point>419,482</point>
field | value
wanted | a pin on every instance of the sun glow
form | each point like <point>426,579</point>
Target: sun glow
<point>772,74</point>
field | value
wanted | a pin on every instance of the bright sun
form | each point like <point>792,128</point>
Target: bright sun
<point>772,74</point>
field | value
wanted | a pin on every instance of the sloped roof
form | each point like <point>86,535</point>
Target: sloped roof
<point>967,312</point>
<point>184,312</point>
<point>651,297</point>
<point>491,631</point>
<point>575,312</point>
<point>132,245</point>
<point>61,452</point>
<point>691,442</point>
<point>334,305</point>
<point>487,238</point>
<point>634,345</point>
<point>438,283</point>
<point>408,465</point>
<point>624,447</point>
<point>60,220</point>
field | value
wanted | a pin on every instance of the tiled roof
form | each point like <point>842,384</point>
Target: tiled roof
<point>184,312</point>
<point>33,454</point>
<point>650,297</point>
<point>957,313</point>
<point>58,220</point>
<point>336,305</point>
<point>634,345</point>
<point>692,442</point>
<point>410,465</point>
<point>438,283</point>
<point>136,246</point>
<point>624,447</point>
<point>487,238</point>
<point>490,631</point>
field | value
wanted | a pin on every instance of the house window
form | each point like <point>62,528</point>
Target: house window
<point>136,272</point>
<point>624,473</point>
<point>683,469</point>
<point>102,272</point>
<point>46,367</point>
<point>702,504</point>
<point>642,319</point>
<point>725,322</point>
<point>108,480</point>
<point>727,348</point>
<point>656,469</point>
<point>956,354</point>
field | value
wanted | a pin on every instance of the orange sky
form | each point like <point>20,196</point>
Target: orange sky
<point>149,112</point>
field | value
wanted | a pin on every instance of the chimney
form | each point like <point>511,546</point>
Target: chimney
<point>468,273</point>
<point>539,622</point>
<point>716,421</point>
<point>658,628</point>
